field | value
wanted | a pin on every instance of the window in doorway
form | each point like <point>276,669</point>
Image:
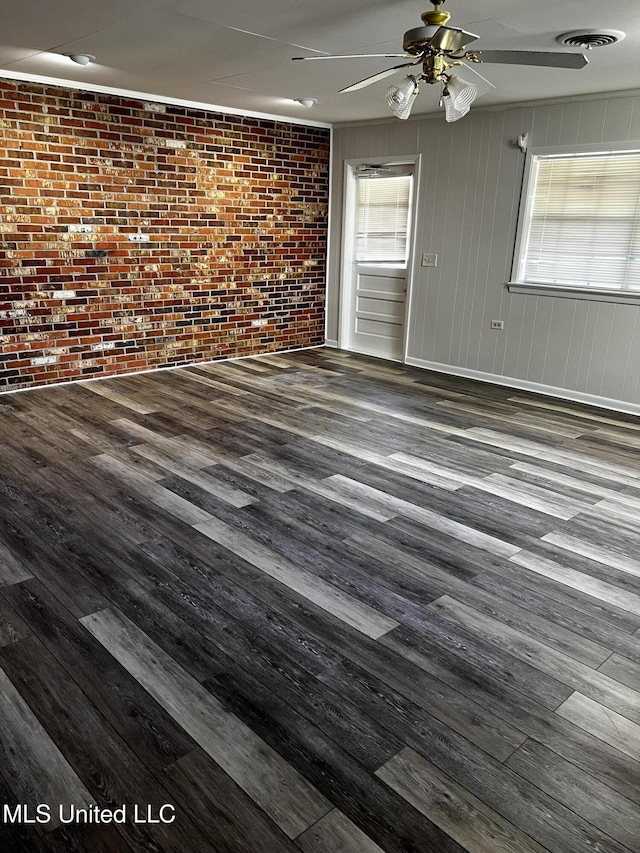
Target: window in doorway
<point>383,215</point>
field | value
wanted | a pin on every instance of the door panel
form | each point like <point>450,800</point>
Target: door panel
<point>378,311</point>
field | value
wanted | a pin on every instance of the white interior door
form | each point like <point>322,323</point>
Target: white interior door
<point>378,311</point>
<point>376,257</point>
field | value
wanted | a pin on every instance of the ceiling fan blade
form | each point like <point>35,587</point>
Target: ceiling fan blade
<point>356,56</point>
<point>471,76</point>
<point>529,57</point>
<point>361,84</point>
<point>451,39</point>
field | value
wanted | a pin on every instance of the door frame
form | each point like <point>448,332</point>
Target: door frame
<point>347,264</point>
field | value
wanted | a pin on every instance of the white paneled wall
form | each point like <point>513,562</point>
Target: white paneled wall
<point>468,205</point>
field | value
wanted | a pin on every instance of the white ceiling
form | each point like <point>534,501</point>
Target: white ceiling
<point>237,53</point>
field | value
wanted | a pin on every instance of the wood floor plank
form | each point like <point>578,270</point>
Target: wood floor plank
<point>344,606</point>
<point>572,673</point>
<point>275,786</point>
<point>37,771</point>
<point>534,497</point>
<point>434,695</point>
<point>516,800</point>
<point>162,497</point>
<point>222,808</point>
<point>449,649</point>
<point>432,519</point>
<point>363,798</point>
<point>224,603</point>
<point>623,670</point>
<point>204,480</point>
<point>593,487</point>
<point>336,832</point>
<point>11,569</point>
<point>464,817</point>
<point>542,629</point>
<point>615,814</point>
<point>573,461</point>
<point>121,399</point>
<point>607,556</point>
<point>563,594</point>
<point>149,732</point>
<point>370,581</point>
<point>107,768</point>
<point>580,581</point>
<point>12,627</point>
<point>186,448</point>
<point>41,540</point>
<point>595,629</point>
<point>608,725</point>
<point>566,641</point>
<point>597,416</point>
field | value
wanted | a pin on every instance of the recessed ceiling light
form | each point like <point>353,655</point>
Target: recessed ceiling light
<point>81,58</point>
<point>305,102</point>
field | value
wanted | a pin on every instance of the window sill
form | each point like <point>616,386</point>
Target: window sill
<point>592,294</point>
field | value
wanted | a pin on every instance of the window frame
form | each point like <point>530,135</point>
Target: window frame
<point>516,284</point>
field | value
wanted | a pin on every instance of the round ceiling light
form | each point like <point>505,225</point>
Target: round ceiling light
<point>588,39</point>
<point>81,58</point>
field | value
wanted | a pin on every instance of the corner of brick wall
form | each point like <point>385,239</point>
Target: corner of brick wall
<point>234,209</point>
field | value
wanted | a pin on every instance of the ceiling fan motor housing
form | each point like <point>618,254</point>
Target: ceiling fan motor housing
<point>417,39</point>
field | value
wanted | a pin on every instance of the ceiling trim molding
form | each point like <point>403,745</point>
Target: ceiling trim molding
<point>5,74</point>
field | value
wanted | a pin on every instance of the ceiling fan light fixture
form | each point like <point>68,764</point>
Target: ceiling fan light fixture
<point>81,58</point>
<point>458,95</point>
<point>400,98</point>
<point>305,102</point>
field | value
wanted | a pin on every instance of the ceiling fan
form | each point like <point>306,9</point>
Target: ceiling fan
<point>439,48</point>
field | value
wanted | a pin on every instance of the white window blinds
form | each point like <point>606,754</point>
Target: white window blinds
<point>583,221</point>
<point>383,219</point>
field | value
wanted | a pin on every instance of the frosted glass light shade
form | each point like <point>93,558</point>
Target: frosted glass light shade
<point>400,98</point>
<point>458,95</point>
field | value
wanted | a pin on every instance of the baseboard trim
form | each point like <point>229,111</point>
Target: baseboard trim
<point>525,385</point>
<point>331,343</point>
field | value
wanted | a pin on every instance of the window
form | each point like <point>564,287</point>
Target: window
<point>580,227</point>
<point>382,220</point>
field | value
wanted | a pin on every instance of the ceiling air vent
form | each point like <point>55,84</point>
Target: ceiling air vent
<point>586,39</point>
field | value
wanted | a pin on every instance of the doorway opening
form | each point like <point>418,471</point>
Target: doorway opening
<point>377,256</point>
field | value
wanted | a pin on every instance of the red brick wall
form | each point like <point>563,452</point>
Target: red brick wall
<point>235,210</point>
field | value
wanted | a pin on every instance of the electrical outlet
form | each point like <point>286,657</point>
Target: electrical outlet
<point>497,324</point>
<point>81,229</point>
<point>138,238</point>
<point>429,259</point>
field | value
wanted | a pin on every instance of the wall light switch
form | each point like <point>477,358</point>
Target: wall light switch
<point>429,259</point>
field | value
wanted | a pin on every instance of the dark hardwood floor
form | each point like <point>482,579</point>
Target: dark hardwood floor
<point>317,602</point>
